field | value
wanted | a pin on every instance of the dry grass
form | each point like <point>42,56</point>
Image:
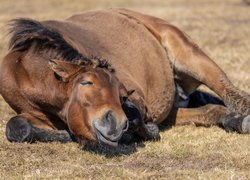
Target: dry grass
<point>221,28</point>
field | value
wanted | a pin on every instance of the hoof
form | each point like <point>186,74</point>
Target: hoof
<point>153,131</point>
<point>246,125</point>
<point>17,130</point>
<point>236,123</point>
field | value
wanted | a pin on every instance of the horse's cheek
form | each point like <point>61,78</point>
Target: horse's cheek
<point>78,123</point>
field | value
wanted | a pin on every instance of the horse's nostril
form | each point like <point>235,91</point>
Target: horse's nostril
<point>110,123</point>
<point>108,115</point>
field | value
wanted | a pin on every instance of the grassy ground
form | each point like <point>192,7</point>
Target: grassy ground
<point>221,28</point>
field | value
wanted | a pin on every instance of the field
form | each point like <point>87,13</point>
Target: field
<point>222,30</point>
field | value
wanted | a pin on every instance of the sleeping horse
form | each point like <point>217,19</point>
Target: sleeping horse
<point>108,76</point>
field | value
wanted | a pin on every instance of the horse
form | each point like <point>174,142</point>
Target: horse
<point>106,76</point>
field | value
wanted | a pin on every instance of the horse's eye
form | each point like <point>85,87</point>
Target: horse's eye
<point>87,83</point>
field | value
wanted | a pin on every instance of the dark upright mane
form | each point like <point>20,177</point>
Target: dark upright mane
<point>25,32</point>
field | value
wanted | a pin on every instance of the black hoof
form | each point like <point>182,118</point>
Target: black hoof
<point>246,125</point>
<point>236,123</point>
<point>18,130</point>
<point>153,131</point>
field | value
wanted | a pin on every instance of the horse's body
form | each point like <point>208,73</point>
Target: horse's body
<point>149,56</point>
<point>124,43</point>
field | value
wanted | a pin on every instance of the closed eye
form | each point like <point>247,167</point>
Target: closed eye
<point>123,99</point>
<point>86,83</point>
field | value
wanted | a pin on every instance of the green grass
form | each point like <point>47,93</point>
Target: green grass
<point>222,30</point>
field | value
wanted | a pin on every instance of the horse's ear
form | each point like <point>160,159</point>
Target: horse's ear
<point>62,68</point>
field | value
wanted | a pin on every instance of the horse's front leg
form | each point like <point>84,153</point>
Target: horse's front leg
<point>21,129</point>
<point>138,129</point>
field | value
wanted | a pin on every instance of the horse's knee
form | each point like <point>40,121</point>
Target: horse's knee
<point>18,130</point>
<point>236,123</point>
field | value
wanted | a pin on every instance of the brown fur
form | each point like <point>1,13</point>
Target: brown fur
<point>148,55</point>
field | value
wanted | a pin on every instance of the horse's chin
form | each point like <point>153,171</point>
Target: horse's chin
<point>105,141</point>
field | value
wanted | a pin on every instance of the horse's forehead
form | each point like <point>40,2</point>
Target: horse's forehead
<point>101,75</point>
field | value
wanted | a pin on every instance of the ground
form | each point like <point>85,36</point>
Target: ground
<point>221,28</point>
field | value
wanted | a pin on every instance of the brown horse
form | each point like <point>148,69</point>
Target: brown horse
<point>61,91</point>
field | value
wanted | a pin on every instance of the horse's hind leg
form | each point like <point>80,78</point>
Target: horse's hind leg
<point>192,67</point>
<point>209,115</point>
<point>19,129</point>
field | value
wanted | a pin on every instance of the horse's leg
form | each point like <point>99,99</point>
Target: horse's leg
<point>21,129</point>
<point>137,127</point>
<point>209,115</point>
<point>191,65</point>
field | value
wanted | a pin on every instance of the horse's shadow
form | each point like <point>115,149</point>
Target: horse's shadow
<point>124,148</point>
<point>110,152</point>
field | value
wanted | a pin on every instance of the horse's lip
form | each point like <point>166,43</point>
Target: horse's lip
<point>103,139</point>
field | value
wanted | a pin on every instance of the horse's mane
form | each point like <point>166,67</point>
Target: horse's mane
<point>26,32</point>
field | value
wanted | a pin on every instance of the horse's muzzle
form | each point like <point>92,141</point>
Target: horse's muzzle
<point>109,130</point>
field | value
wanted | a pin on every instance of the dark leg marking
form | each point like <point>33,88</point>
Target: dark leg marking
<point>138,130</point>
<point>19,130</point>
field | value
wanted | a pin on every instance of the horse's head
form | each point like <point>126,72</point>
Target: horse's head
<point>94,110</point>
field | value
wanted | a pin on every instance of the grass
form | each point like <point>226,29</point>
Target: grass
<point>222,30</point>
